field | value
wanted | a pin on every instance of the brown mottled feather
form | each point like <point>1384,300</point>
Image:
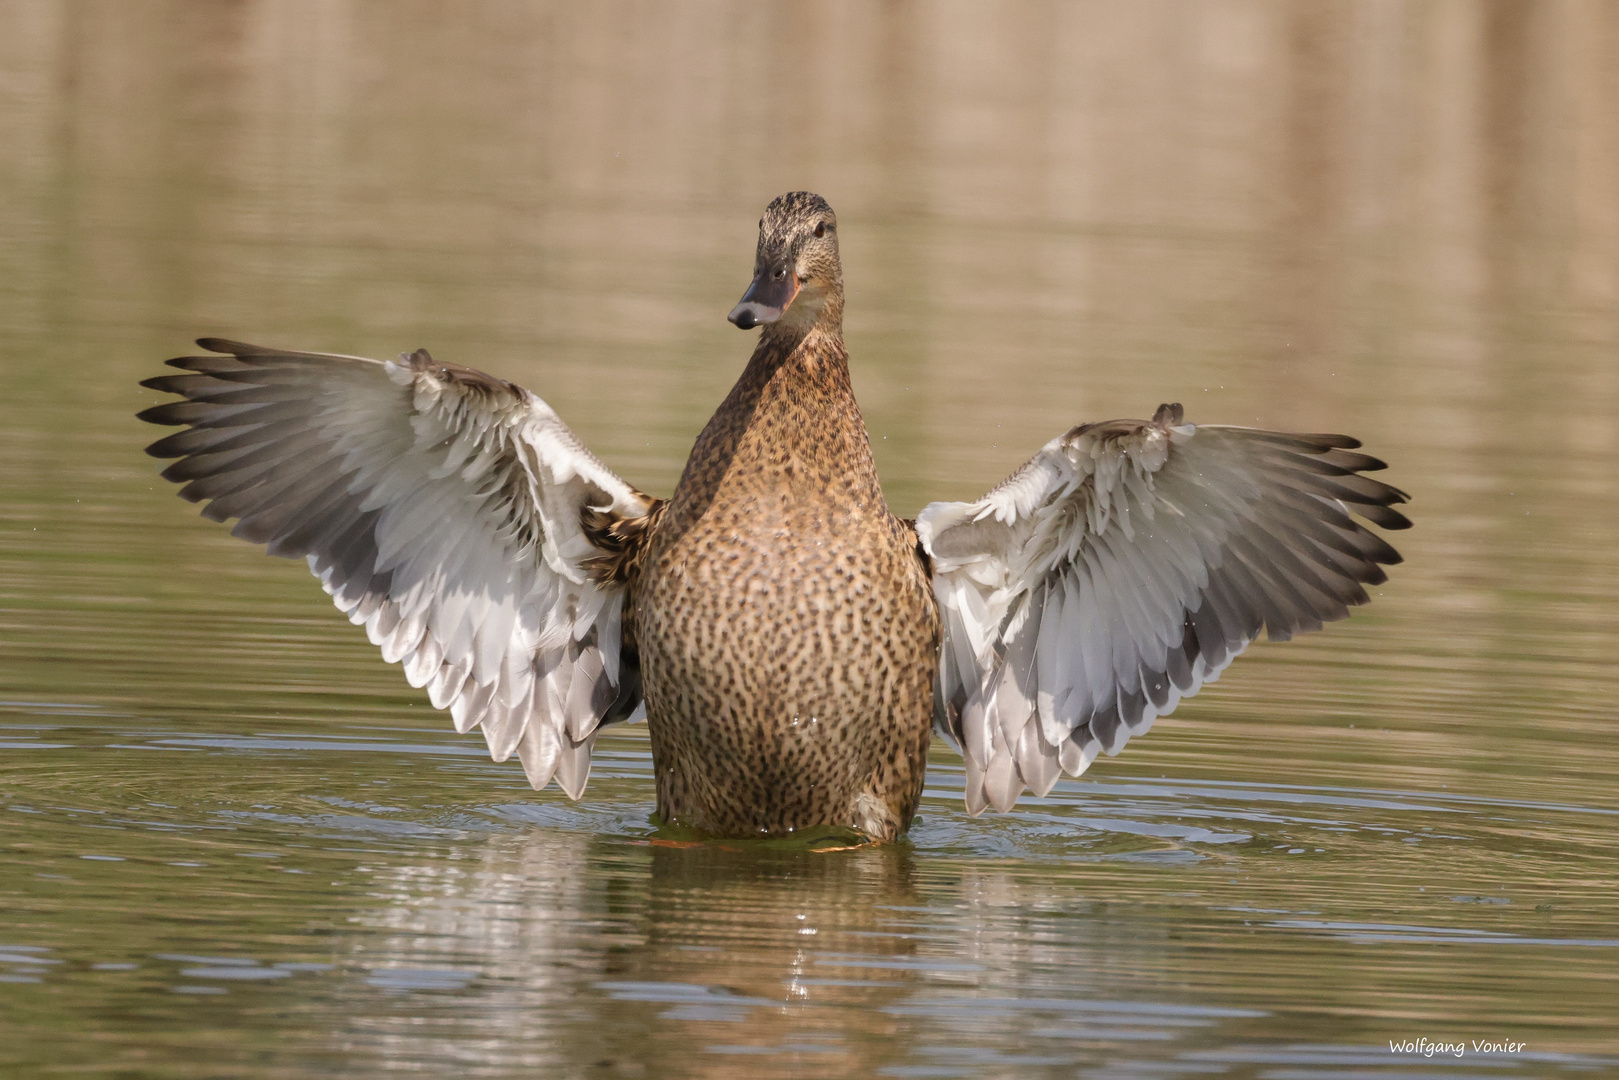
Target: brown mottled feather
<point>785,624</point>
<point>624,541</point>
<point>786,627</point>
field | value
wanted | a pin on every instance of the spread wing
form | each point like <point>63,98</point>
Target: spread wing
<point>441,509</point>
<point>1124,566</point>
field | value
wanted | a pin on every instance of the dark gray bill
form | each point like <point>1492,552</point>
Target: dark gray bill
<point>770,294</point>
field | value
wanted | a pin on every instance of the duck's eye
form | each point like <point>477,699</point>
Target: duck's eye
<point>820,228</point>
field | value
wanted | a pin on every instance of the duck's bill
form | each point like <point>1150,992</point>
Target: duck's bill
<point>765,300</point>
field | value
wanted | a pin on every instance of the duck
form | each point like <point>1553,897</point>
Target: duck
<point>791,643</point>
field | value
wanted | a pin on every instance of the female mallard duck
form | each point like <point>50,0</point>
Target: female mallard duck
<point>789,641</point>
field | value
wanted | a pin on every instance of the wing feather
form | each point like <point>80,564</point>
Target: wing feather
<point>441,509</point>
<point>1122,568</point>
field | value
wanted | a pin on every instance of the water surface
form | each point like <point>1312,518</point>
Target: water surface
<point>233,842</point>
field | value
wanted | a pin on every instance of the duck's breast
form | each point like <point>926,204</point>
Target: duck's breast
<point>788,648</point>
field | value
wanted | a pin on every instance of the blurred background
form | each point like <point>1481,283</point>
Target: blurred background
<point>1394,219</point>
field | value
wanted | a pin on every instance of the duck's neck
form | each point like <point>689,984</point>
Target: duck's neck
<point>789,439</point>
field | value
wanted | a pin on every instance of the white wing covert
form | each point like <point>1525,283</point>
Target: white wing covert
<point>1121,568</point>
<point>441,509</point>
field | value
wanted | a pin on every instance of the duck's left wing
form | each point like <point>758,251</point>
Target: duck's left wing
<point>1124,566</point>
<point>442,510</point>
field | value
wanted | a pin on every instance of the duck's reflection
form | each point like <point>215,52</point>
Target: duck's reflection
<point>765,923</point>
<point>562,950</point>
<point>571,948</point>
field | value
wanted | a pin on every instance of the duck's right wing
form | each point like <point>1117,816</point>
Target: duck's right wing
<point>441,508</point>
<point>1124,566</point>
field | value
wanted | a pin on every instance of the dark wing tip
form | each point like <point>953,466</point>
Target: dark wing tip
<point>169,446</point>
<point>1352,462</point>
<point>1169,414</point>
<point>1386,518</point>
<point>1336,442</point>
<point>162,414</point>
<point>234,348</point>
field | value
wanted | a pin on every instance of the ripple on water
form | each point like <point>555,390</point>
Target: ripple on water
<point>360,869</point>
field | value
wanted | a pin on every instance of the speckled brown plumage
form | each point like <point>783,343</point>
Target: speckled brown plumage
<point>786,628</point>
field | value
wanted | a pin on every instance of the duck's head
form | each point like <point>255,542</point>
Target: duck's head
<point>797,277</point>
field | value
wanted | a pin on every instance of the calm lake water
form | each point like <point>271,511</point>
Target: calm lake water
<point>233,843</point>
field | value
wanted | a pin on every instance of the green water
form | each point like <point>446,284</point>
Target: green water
<point>233,843</point>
